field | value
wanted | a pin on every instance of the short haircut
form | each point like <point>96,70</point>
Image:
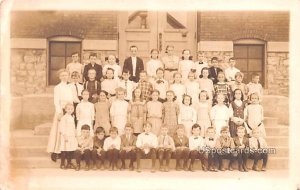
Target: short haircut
<point>152,50</point>
<point>75,74</point>
<point>120,89</point>
<point>148,123</point>
<point>180,126</point>
<point>93,55</point>
<point>196,126</point>
<point>221,73</point>
<point>255,75</point>
<point>214,58</point>
<point>155,90</point>
<point>190,57</point>
<point>204,68</point>
<point>210,128</point>
<point>74,53</point>
<point>68,104</point>
<point>126,71</point>
<point>92,69</point>
<point>85,90</point>
<point>133,46</point>
<point>103,91</point>
<point>177,73</point>
<point>238,74</point>
<point>99,130</point>
<point>85,127</point>
<point>240,128</point>
<point>160,69</point>
<point>169,46</point>
<point>113,129</point>
<point>110,69</point>
<point>62,71</point>
<point>185,95</point>
<point>224,129</point>
<point>253,94</point>
<point>171,91</point>
<point>128,125</point>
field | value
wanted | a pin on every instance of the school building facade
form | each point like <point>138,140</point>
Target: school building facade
<point>42,43</point>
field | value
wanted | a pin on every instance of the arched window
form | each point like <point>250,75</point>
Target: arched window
<point>250,58</point>
<point>60,54</point>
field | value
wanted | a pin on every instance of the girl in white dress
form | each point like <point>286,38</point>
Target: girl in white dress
<point>62,96</point>
<point>186,64</point>
<point>187,114</point>
<point>85,113</point>
<point>203,112</point>
<point>68,141</point>
<point>255,115</point>
<point>205,83</point>
<point>153,65</point>
<point>113,65</point>
<point>192,89</point>
<point>118,111</point>
<point>178,88</point>
<point>220,114</point>
<point>109,84</point>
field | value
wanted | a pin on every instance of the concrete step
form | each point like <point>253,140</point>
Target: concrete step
<point>280,152</point>
<point>27,138</point>
<point>279,130</point>
<point>275,141</point>
<point>270,121</point>
<point>43,129</point>
<point>45,162</point>
<point>28,151</point>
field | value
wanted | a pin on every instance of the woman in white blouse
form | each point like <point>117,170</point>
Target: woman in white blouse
<point>62,96</point>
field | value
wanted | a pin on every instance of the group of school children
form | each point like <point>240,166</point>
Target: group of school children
<point>173,107</point>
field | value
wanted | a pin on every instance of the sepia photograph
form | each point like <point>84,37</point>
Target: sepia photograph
<point>147,97</point>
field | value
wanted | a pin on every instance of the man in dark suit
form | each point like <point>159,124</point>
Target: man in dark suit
<point>214,70</point>
<point>241,143</point>
<point>128,148</point>
<point>134,64</point>
<point>92,65</point>
<point>182,151</point>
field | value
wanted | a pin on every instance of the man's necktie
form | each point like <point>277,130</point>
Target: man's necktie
<point>76,89</point>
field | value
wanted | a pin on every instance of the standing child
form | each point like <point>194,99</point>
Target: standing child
<point>137,111</point>
<point>112,145</point>
<point>114,66</point>
<point>153,65</point>
<point>145,86</point>
<point>146,147</point>
<point>68,136</point>
<point>241,143</point>
<point>203,112</point>
<point>93,65</point>
<point>231,70</point>
<point>255,86</point>
<point>238,108</point>
<point>170,62</point>
<point>187,114</point>
<point>196,145</point>
<point>161,84</point>
<point>165,148</point>
<point>221,87</point>
<point>128,147</point>
<point>85,147</point>
<point>238,84</point>
<point>92,85</point>
<point>192,88</point>
<point>210,149</point>
<point>186,64</point>
<point>214,70</point>
<point>220,114</point>
<point>118,110</point>
<point>225,145</point>
<point>102,108</point>
<point>77,89</point>
<point>255,115</point>
<point>85,113</point>
<point>257,145</point>
<point>75,66</point>
<point>154,112</point>
<point>127,84</point>
<point>109,84</point>
<point>182,151</point>
<point>199,64</point>
<point>178,88</point>
<point>62,96</point>
<point>170,113</point>
<point>98,153</point>
<point>205,83</point>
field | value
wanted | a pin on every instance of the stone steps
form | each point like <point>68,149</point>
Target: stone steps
<point>279,130</point>
<point>28,151</point>
<point>45,162</point>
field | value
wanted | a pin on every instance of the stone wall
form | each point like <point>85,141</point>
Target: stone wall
<point>28,71</point>
<point>278,73</point>
<point>223,57</point>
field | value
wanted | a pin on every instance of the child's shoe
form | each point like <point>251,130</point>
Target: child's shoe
<point>77,167</point>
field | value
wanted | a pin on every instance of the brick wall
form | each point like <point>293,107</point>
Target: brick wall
<point>83,24</point>
<point>229,26</point>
